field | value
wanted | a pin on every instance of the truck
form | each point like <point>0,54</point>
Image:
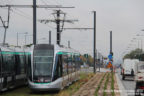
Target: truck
<point>129,68</point>
<point>139,79</point>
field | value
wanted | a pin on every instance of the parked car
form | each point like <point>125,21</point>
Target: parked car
<point>139,79</point>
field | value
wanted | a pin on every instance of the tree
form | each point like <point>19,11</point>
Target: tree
<point>88,59</point>
<point>135,54</point>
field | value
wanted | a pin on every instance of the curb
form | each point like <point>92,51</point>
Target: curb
<point>121,87</point>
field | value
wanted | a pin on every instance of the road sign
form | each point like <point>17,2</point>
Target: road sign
<point>110,56</point>
<point>109,65</point>
<point>77,59</point>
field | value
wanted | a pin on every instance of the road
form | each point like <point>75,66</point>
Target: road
<point>128,84</point>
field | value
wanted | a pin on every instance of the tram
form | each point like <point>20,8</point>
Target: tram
<point>52,67</point>
<point>13,67</point>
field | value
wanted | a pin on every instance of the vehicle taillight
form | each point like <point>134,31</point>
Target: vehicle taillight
<point>123,71</point>
<point>141,87</point>
<point>140,77</point>
<point>139,72</point>
<point>38,80</point>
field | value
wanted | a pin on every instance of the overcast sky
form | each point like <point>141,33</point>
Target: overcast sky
<point>124,17</point>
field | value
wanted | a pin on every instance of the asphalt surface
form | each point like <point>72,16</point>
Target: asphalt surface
<point>128,83</point>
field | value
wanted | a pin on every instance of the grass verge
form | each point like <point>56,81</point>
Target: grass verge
<point>97,89</point>
<point>112,84</point>
<point>69,91</point>
<point>105,85</point>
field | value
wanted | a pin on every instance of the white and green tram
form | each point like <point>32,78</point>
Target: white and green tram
<point>13,67</point>
<point>53,67</point>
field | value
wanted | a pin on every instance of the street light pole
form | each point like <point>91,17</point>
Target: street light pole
<point>25,39</point>
<point>17,38</point>
<point>68,44</point>
<point>50,37</point>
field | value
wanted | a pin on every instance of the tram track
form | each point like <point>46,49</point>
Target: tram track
<point>88,89</point>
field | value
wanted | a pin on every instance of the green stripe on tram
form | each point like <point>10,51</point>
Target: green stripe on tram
<point>17,53</point>
<point>7,52</point>
<point>43,83</point>
<point>61,53</point>
<point>67,53</point>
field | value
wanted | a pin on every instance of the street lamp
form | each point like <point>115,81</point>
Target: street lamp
<point>18,36</point>
<point>134,40</point>
<point>141,41</point>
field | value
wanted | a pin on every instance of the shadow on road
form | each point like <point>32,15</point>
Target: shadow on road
<point>43,92</point>
<point>128,80</point>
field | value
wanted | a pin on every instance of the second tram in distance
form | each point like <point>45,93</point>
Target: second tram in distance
<point>13,67</point>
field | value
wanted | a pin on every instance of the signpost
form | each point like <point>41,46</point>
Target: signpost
<point>110,56</point>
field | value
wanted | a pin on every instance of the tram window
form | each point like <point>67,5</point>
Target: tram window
<point>59,66</point>
<point>43,62</point>
<point>74,63</point>
<point>8,62</point>
<point>70,65</point>
<point>64,64</point>
<point>22,62</point>
<point>17,64</point>
<point>29,67</point>
<point>58,71</point>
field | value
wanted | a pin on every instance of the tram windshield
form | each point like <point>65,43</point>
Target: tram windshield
<point>43,62</point>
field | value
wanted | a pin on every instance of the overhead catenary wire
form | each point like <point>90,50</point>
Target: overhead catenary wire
<point>47,13</point>
<point>45,3</point>
<point>78,27</point>
<point>21,13</point>
<point>48,2</point>
<point>6,1</point>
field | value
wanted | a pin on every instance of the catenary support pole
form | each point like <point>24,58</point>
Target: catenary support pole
<point>94,53</point>
<point>68,44</point>
<point>110,41</point>
<point>4,36</point>
<point>58,27</point>
<point>34,23</point>
<point>17,38</point>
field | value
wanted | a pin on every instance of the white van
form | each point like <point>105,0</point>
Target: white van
<point>129,68</point>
